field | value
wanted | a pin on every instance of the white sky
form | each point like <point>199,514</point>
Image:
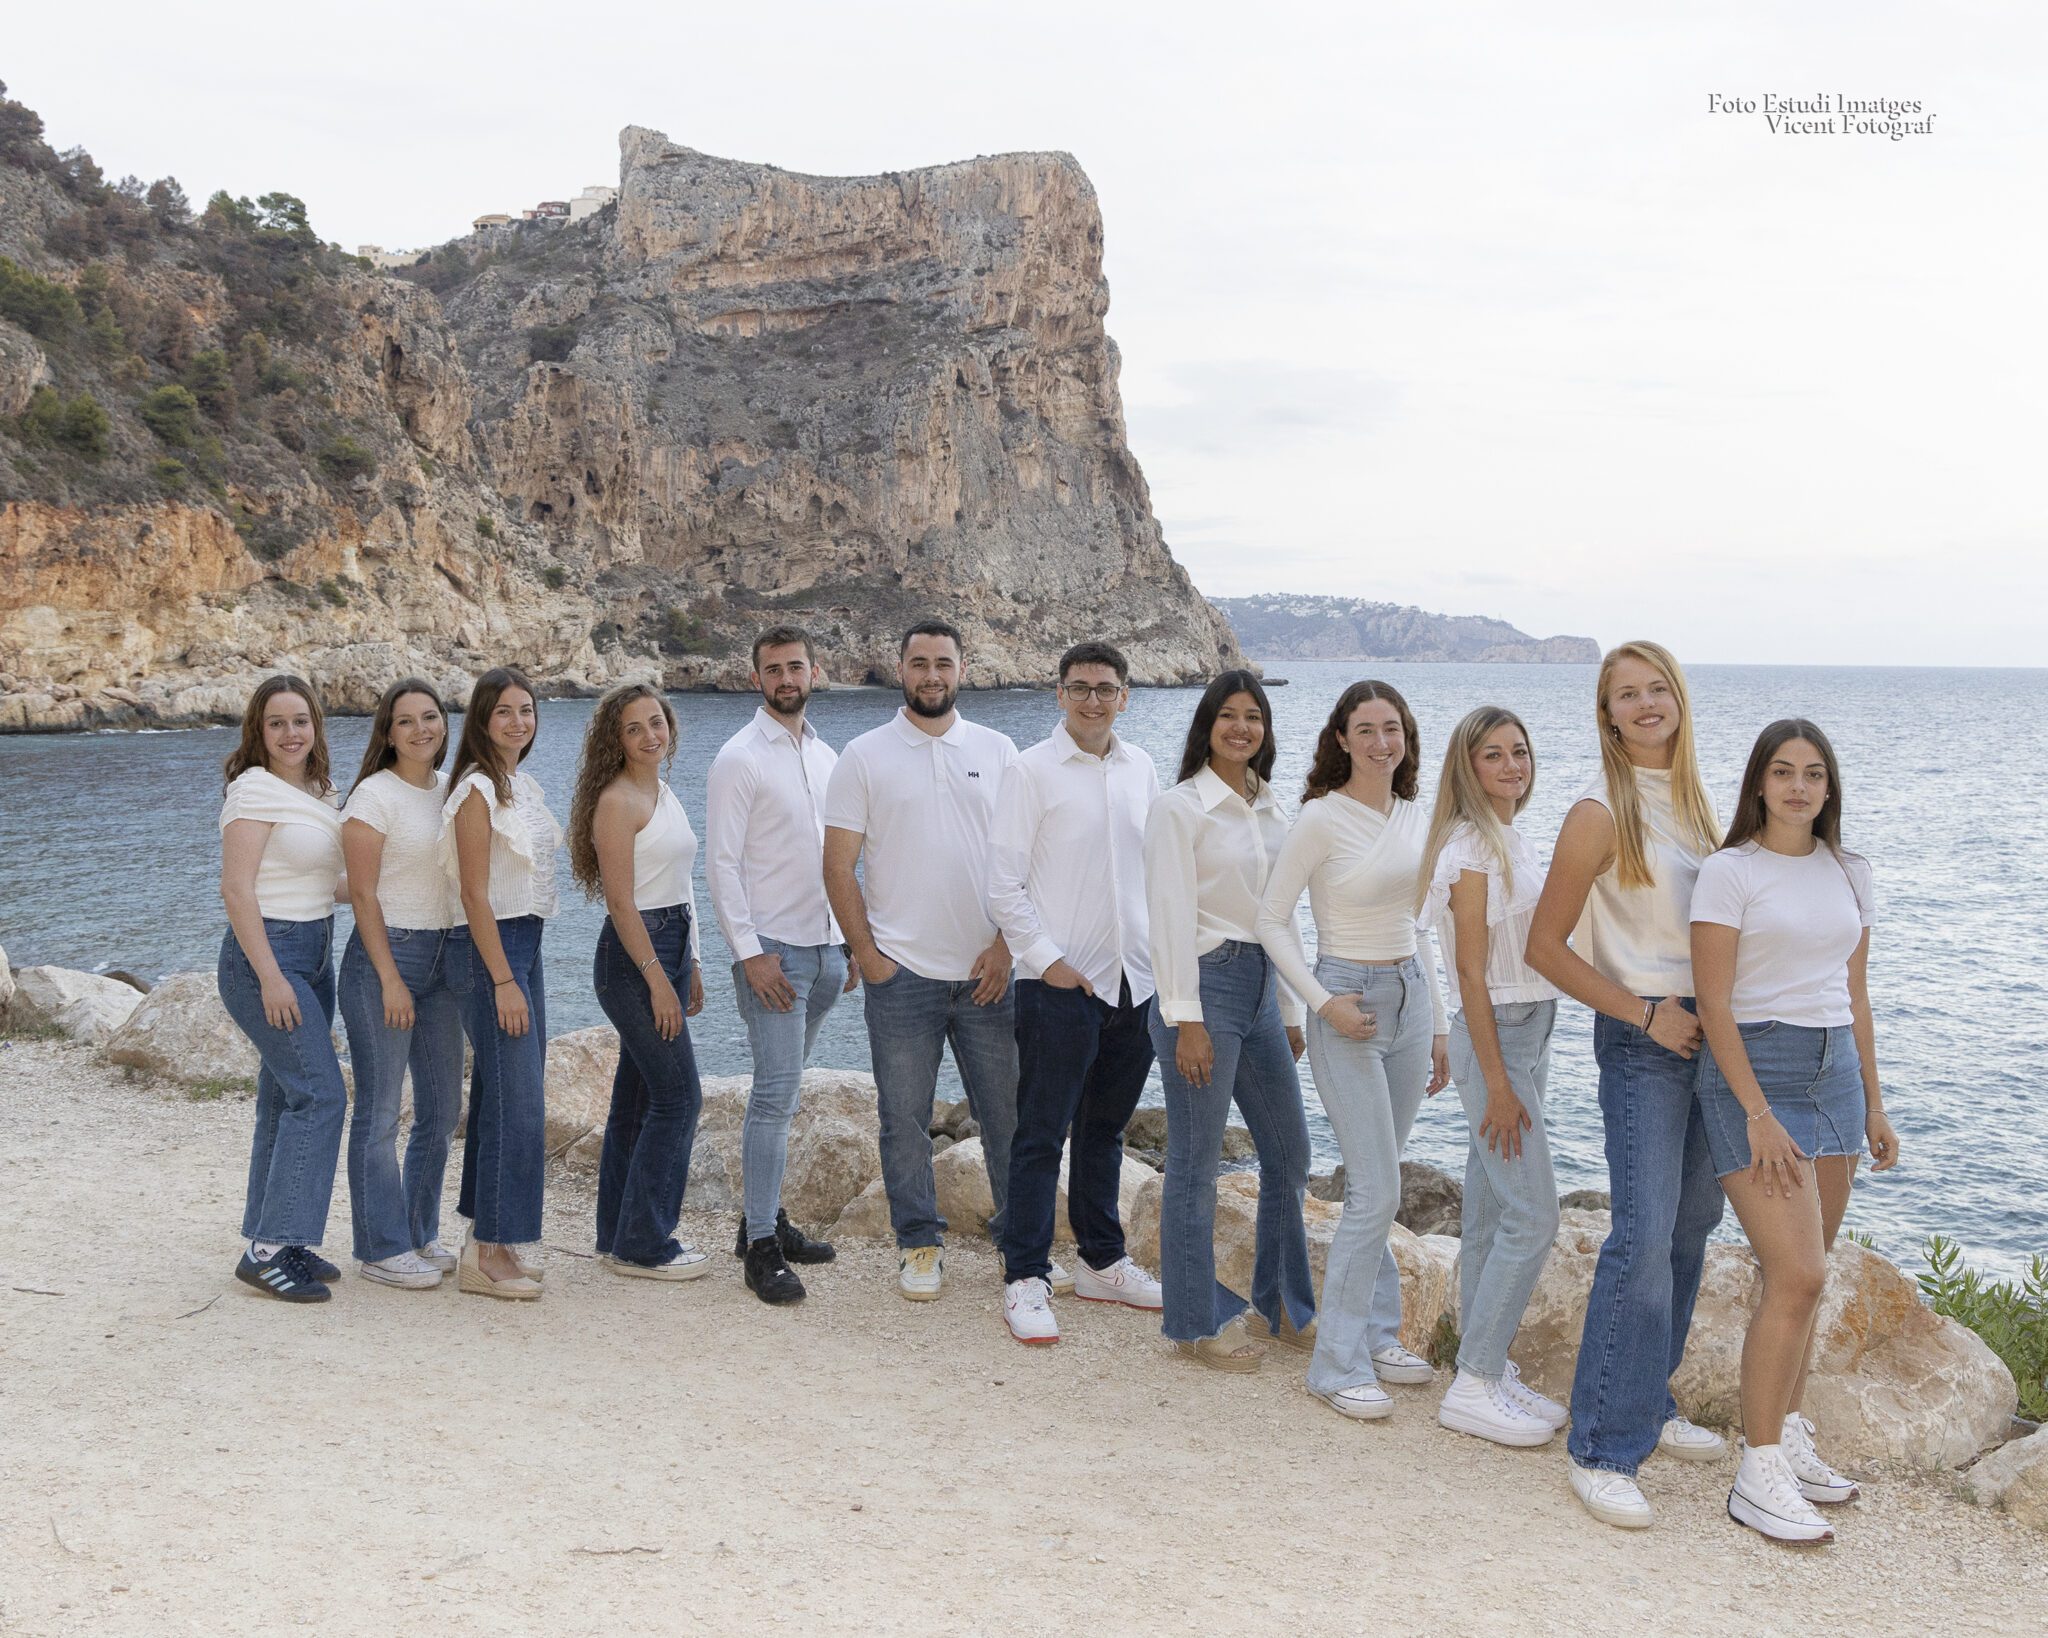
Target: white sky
<point>1468,305</point>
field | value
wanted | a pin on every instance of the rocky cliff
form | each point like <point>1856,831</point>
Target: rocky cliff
<point>608,449</point>
<point>1285,627</point>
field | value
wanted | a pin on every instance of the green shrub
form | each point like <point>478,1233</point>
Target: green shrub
<point>211,381</point>
<point>40,306</point>
<point>170,475</point>
<point>171,413</point>
<point>343,458</point>
<point>77,424</point>
<point>2012,1319</point>
<point>555,576</point>
<point>268,538</point>
<point>332,590</point>
<point>485,528</point>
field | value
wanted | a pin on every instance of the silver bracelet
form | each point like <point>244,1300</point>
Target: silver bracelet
<point>650,961</point>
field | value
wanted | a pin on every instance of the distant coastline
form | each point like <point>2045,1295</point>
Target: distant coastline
<point>1280,626</point>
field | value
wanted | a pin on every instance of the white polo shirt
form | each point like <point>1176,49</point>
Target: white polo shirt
<point>764,837</point>
<point>1067,863</point>
<point>924,804</point>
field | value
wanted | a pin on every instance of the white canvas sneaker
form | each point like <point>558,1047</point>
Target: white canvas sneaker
<point>1691,1442</point>
<point>1367,1402</point>
<point>1481,1408</point>
<point>1612,1498</point>
<point>1061,1281</point>
<point>408,1270</point>
<point>1539,1405</point>
<point>438,1255</point>
<point>1817,1481</point>
<point>1027,1310</point>
<point>1123,1281</point>
<point>1766,1498</point>
<point>1394,1363</point>
<point>921,1275</point>
<point>688,1264</point>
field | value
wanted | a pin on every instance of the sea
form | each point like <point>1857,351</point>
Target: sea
<point>109,856</point>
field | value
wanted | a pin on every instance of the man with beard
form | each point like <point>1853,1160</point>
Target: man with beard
<point>764,855</point>
<point>916,797</point>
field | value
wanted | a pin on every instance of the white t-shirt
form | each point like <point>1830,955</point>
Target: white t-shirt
<point>301,863</point>
<point>924,804</point>
<point>1641,937</point>
<point>411,890</point>
<point>524,841</point>
<point>1800,919</point>
<point>1509,978</point>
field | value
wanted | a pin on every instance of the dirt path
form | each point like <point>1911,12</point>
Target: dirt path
<point>625,1457</point>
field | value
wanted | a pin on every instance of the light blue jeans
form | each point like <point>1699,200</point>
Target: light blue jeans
<point>781,1043</point>
<point>396,1211</point>
<point>1371,1091</point>
<point>1509,1220</point>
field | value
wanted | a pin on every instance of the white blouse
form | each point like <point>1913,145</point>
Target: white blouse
<point>411,890</point>
<point>664,855</point>
<point>302,863</point>
<point>524,841</point>
<point>1509,979</point>
<point>1359,866</point>
<point>1207,855</point>
<point>1641,937</point>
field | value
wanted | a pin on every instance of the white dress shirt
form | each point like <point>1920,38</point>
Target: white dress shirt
<point>923,803</point>
<point>764,837</point>
<point>1207,855</point>
<point>1066,879</point>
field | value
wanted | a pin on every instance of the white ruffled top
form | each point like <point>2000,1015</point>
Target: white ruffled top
<point>524,842</point>
<point>1509,978</point>
<point>302,861</point>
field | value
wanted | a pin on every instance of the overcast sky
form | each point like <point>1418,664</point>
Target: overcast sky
<point>1475,306</point>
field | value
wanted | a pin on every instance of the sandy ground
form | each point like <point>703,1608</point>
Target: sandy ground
<point>180,1455</point>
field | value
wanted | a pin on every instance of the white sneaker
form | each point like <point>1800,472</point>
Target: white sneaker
<point>1612,1498</point>
<point>1817,1481</point>
<point>1539,1405</point>
<point>1766,1498</point>
<point>1691,1442</point>
<point>439,1256</point>
<point>1061,1281</point>
<point>1394,1363</point>
<point>407,1270</point>
<point>1367,1402</point>
<point>1123,1281</point>
<point>1483,1409</point>
<point>921,1275</point>
<point>1027,1310</point>
<point>687,1264</point>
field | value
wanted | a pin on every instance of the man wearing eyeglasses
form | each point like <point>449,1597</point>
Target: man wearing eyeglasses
<point>1067,887</point>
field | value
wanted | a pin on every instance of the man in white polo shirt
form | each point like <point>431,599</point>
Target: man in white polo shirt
<point>1067,886</point>
<point>915,798</point>
<point>764,824</point>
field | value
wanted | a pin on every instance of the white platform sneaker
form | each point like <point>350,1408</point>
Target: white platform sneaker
<point>1766,1497</point>
<point>1027,1310</point>
<point>1123,1281</point>
<point>1366,1402</point>
<point>1691,1442</point>
<point>1817,1481</point>
<point>1483,1409</point>
<point>1061,1281</point>
<point>1396,1364</point>
<point>408,1270</point>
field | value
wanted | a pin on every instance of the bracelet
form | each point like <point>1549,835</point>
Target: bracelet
<point>1649,1015</point>
<point>650,961</point>
<point>1759,1115</point>
<point>501,983</point>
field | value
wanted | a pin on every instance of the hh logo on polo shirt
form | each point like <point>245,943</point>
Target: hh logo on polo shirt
<point>973,773</point>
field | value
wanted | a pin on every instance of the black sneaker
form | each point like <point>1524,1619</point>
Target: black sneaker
<point>284,1275</point>
<point>319,1267</point>
<point>768,1276</point>
<point>797,1246</point>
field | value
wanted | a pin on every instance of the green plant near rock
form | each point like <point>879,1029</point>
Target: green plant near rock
<point>25,1031</point>
<point>343,458</point>
<point>555,576</point>
<point>485,528</point>
<point>171,475</point>
<point>215,1087</point>
<point>2012,1319</point>
<point>77,424</point>
<point>41,306</point>
<point>172,413</point>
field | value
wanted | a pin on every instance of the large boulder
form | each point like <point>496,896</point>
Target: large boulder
<point>1432,1201</point>
<point>1145,1139</point>
<point>2015,1478</point>
<point>577,1086</point>
<point>6,983</point>
<point>84,1006</point>
<point>183,1033</point>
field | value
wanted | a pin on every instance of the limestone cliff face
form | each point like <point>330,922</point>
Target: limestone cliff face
<point>613,449</point>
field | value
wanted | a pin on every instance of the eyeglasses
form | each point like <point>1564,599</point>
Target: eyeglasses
<point>1079,692</point>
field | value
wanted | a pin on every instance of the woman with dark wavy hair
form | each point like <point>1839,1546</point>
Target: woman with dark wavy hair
<point>1224,1030</point>
<point>631,844</point>
<point>1377,1037</point>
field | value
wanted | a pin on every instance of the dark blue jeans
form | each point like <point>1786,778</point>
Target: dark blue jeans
<point>393,1210</point>
<point>1081,1064</point>
<point>656,1097</point>
<point>1666,1202</point>
<point>504,1148</point>
<point>300,1095</point>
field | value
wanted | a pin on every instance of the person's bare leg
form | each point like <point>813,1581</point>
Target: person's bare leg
<point>1784,1230</point>
<point>1834,1174</point>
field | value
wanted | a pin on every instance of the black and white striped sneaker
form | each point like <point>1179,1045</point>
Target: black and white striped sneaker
<point>285,1275</point>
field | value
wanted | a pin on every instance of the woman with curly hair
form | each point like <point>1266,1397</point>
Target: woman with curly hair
<point>1376,1029</point>
<point>631,843</point>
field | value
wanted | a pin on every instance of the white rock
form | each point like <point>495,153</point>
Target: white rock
<point>83,1006</point>
<point>6,983</point>
<point>2015,1478</point>
<point>182,1032</point>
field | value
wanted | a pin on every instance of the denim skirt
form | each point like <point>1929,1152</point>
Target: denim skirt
<point>1813,1080</point>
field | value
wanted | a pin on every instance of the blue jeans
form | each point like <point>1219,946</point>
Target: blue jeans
<point>911,1019</point>
<point>1509,1220</point>
<point>396,1211</point>
<point>1666,1202</point>
<point>781,1043</point>
<point>1081,1065</point>
<point>1241,1011</point>
<point>656,1097</point>
<point>300,1095</point>
<point>504,1147</point>
<point>1370,1090</point>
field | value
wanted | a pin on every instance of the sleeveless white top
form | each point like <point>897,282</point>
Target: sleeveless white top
<point>301,864</point>
<point>411,890</point>
<point>1509,911</point>
<point>664,856</point>
<point>1641,937</point>
<point>524,841</point>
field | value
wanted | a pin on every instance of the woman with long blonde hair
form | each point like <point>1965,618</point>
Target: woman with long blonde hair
<point>631,844</point>
<point>1478,887</point>
<point>1622,875</point>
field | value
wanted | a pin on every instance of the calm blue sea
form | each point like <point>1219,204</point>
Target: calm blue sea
<point>109,858</point>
